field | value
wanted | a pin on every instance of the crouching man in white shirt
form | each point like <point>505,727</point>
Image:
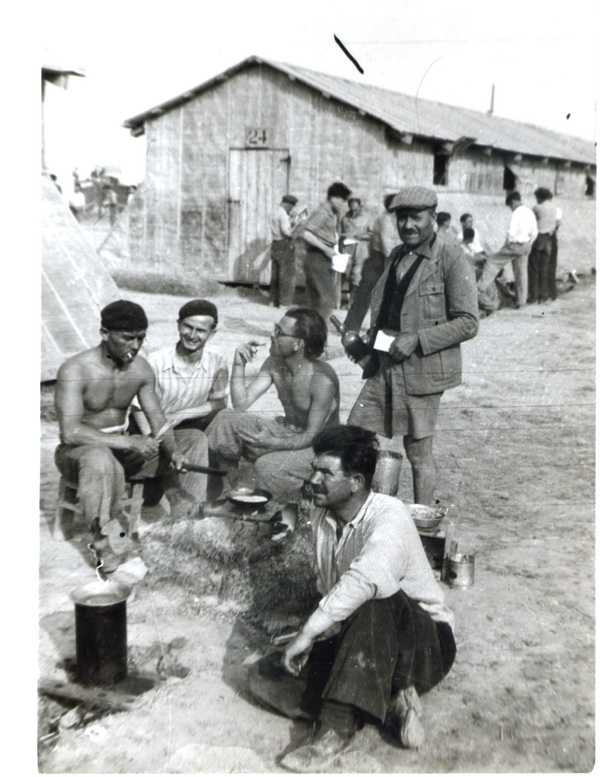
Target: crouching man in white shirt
<point>381,633</point>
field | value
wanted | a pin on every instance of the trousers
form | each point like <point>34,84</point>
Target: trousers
<point>283,273</point>
<point>539,268</point>
<point>320,283</point>
<point>100,473</point>
<point>361,299</point>
<point>516,253</point>
<point>236,435</point>
<point>385,646</point>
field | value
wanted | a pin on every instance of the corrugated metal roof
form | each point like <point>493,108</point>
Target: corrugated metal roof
<point>405,114</point>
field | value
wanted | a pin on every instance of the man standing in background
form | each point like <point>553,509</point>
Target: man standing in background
<point>355,236</point>
<point>321,238</point>
<point>541,284</point>
<point>466,222</point>
<point>384,238</point>
<point>283,269</point>
<point>522,231</point>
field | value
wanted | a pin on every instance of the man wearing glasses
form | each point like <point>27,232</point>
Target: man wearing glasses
<point>308,389</point>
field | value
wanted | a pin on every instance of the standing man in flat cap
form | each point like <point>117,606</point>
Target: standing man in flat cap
<point>283,268</point>
<point>426,304</point>
<point>94,390</point>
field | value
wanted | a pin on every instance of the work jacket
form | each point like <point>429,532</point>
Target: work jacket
<point>440,306</point>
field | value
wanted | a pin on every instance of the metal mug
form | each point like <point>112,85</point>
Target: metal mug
<point>460,570</point>
<point>387,472</point>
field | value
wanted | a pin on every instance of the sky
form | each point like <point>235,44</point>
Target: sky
<point>136,55</point>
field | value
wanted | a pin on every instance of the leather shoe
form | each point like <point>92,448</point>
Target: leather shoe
<point>404,718</point>
<point>317,756</point>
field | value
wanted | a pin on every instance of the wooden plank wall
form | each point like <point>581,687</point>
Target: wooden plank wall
<point>187,163</point>
<point>182,227</point>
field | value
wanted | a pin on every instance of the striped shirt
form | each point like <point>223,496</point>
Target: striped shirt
<point>379,553</point>
<point>180,385</point>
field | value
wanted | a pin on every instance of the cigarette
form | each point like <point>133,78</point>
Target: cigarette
<point>254,344</point>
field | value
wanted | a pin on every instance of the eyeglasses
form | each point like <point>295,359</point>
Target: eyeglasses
<point>278,333</point>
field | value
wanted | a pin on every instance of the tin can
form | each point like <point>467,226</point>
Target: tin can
<point>387,472</point>
<point>460,571</point>
<point>101,632</point>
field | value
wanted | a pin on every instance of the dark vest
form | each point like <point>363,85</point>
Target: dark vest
<point>394,293</point>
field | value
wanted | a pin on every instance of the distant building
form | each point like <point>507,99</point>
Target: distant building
<point>220,156</point>
<point>57,148</point>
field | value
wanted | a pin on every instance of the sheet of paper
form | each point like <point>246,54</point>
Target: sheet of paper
<point>383,341</point>
<point>339,262</point>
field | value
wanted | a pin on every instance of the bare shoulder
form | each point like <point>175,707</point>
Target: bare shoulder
<point>140,366</point>
<point>272,365</point>
<point>77,365</point>
<point>324,371</point>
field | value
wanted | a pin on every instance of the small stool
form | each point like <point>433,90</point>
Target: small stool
<point>68,509</point>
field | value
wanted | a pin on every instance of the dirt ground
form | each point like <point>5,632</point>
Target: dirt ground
<point>515,450</point>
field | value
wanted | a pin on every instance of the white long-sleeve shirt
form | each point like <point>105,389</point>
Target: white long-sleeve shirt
<point>379,553</point>
<point>523,226</point>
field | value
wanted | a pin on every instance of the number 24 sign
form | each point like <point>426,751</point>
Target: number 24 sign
<point>256,137</point>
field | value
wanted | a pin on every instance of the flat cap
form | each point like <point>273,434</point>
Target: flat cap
<point>414,197</point>
<point>290,199</point>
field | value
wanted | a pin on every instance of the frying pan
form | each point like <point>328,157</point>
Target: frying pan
<point>250,497</point>
<point>203,470</point>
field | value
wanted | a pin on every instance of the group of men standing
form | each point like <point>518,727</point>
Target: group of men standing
<point>381,634</point>
<point>531,246</point>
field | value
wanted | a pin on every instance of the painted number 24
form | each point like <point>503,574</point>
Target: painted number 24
<point>256,137</point>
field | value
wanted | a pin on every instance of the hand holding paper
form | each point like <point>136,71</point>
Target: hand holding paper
<point>383,341</point>
<point>339,262</point>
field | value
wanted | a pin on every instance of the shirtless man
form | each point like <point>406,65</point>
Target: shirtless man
<point>94,390</point>
<point>309,391</point>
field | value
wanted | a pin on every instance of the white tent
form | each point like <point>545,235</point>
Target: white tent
<point>76,285</point>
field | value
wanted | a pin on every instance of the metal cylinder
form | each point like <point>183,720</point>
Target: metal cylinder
<point>101,632</point>
<point>387,472</point>
<point>460,571</point>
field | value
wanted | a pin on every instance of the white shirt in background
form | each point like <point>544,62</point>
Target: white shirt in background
<point>523,226</point>
<point>475,247</point>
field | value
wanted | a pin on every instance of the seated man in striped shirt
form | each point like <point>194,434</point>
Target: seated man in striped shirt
<point>381,633</point>
<point>191,377</point>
